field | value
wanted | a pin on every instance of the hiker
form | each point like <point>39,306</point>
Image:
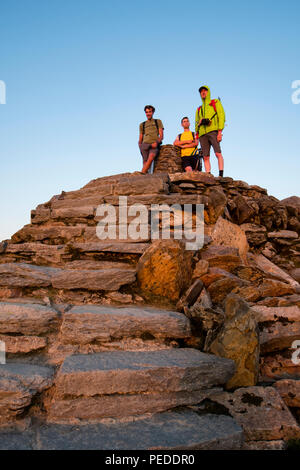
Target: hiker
<point>209,124</point>
<point>151,137</point>
<point>187,142</point>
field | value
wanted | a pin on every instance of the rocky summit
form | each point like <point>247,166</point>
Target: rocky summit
<point>135,341</point>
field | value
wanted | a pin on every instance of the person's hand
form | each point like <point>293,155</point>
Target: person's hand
<point>154,145</point>
<point>219,137</point>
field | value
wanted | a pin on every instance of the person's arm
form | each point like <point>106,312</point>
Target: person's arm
<point>221,118</point>
<point>197,123</point>
<point>160,137</point>
<point>177,142</point>
<point>141,134</point>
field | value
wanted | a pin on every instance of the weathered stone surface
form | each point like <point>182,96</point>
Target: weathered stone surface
<point>264,445</point>
<point>143,381</point>
<point>201,268</point>
<point>140,372</point>
<point>95,408</point>
<point>96,265</point>
<point>256,234</point>
<point>238,340</point>
<point>38,253</point>
<point>171,430</point>
<point>270,268</point>
<point>26,319</point>
<point>289,390</point>
<point>25,275</point>
<point>289,234</point>
<point>223,257</point>
<point>19,383</point>
<point>89,324</point>
<point>295,273</point>
<point>272,287</point>
<point>98,279</point>
<point>215,274</point>
<point>57,233</point>
<point>165,269</point>
<point>191,295</point>
<point>195,176</point>
<point>272,314</point>
<point>23,344</point>
<point>279,336</point>
<point>217,204</point>
<point>112,247</point>
<point>261,413</point>
<point>226,233</point>
<point>219,289</point>
<point>279,366</point>
<point>243,211</point>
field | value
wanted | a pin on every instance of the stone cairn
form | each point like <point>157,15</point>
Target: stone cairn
<point>180,349</point>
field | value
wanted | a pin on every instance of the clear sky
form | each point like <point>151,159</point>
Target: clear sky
<point>79,72</point>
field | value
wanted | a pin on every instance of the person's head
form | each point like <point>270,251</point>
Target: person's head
<point>203,92</point>
<point>149,110</point>
<point>185,122</point>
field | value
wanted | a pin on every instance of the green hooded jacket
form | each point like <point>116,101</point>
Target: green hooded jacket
<point>207,111</point>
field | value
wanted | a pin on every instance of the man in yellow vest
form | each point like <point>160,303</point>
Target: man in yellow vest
<point>187,142</point>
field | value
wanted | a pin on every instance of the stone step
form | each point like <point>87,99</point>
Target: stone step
<point>117,384</point>
<point>88,324</point>
<point>31,327</point>
<point>42,254</point>
<point>173,430</point>
<point>27,275</point>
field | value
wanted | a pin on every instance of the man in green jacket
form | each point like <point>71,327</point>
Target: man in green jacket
<point>209,124</point>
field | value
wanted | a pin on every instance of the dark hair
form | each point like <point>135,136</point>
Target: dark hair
<point>185,117</point>
<point>149,106</point>
<point>202,88</point>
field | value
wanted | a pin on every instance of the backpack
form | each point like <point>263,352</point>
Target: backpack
<point>179,136</point>
<point>213,104</point>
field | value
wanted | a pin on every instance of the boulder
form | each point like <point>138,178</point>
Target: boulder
<point>226,233</point>
<point>261,412</point>
<point>238,340</point>
<point>165,269</point>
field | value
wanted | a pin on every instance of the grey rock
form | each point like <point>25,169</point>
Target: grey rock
<point>178,430</point>
<point>133,372</point>
<point>26,319</point>
<point>98,279</point>
<point>25,275</point>
<point>86,324</point>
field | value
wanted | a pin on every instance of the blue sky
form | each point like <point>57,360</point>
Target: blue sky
<point>79,72</point>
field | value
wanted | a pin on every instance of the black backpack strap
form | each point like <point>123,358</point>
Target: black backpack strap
<point>156,123</point>
<point>193,133</point>
<point>179,136</point>
<point>144,127</point>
